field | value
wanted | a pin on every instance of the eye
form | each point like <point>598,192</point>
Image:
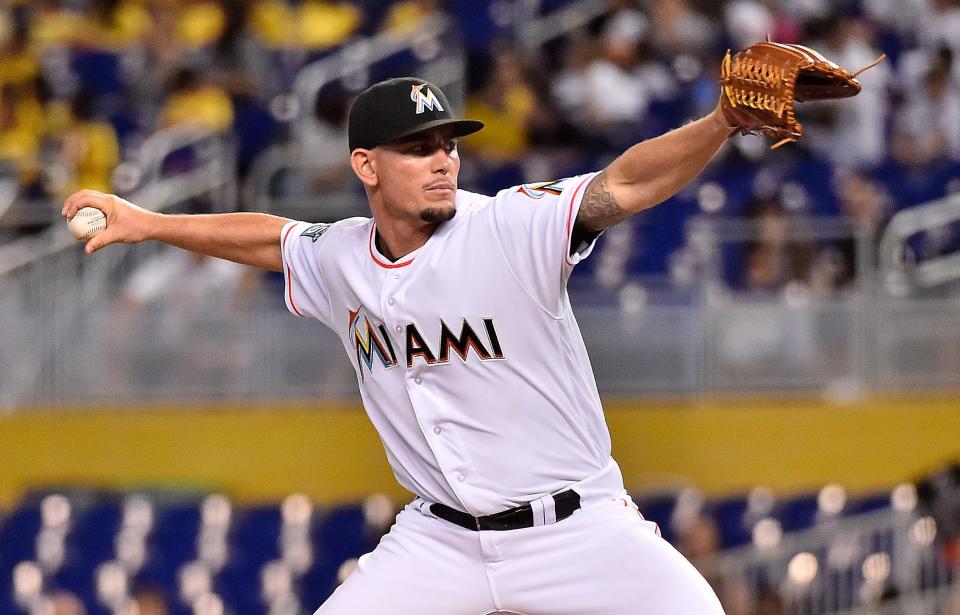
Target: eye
<point>450,146</point>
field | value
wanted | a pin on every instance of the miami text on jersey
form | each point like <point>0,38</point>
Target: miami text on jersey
<point>372,343</point>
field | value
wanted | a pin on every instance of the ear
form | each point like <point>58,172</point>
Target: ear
<point>364,166</point>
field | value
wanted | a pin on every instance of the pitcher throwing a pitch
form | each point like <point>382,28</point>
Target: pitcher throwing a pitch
<point>452,308</point>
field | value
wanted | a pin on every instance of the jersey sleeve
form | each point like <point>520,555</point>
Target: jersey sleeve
<point>305,291</point>
<point>534,225</point>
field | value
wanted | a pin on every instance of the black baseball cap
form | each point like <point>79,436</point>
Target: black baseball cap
<point>397,108</point>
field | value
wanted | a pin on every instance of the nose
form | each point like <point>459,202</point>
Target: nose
<point>442,161</point>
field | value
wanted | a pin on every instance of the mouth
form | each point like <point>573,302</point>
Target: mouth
<point>442,188</point>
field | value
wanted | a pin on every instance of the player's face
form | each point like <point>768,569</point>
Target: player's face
<point>418,175</point>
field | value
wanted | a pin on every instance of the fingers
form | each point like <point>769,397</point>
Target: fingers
<point>101,239</point>
<point>86,198</point>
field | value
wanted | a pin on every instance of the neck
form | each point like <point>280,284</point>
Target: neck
<point>395,239</point>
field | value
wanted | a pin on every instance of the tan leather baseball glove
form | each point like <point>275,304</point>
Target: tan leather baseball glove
<point>761,83</point>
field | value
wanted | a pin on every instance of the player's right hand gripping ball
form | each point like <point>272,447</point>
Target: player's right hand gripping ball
<point>761,83</point>
<point>86,223</point>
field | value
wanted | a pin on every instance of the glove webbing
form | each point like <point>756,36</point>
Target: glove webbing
<point>763,75</point>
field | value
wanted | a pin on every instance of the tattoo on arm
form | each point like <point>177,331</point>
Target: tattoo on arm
<point>598,209</point>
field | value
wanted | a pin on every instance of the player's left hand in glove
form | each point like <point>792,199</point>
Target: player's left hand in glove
<point>761,83</point>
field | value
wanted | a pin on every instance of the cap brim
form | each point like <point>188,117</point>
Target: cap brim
<point>461,128</point>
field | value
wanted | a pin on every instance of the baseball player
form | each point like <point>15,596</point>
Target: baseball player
<point>452,307</point>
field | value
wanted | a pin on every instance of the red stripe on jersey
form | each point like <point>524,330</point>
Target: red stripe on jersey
<point>373,254</point>
<point>573,198</point>
<point>283,244</point>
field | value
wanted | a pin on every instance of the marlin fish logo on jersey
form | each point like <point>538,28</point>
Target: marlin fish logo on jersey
<point>541,189</point>
<point>425,99</point>
<point>371,344</point>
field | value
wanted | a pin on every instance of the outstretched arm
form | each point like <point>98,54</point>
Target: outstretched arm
<point>650,172</point>
<point>246,238</point>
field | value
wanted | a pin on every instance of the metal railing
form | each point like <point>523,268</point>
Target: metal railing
<point>899,272</point>
<point>50,335</point>
<point>212,332</point>
<point>871,563</point>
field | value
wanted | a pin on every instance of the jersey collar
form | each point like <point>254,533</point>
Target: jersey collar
<point>382,260</point>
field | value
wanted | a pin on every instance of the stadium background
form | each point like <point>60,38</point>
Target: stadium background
<point>776,346</point>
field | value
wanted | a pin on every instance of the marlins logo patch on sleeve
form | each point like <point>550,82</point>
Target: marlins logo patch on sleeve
<point>314,231</point>
<point>539,190</point>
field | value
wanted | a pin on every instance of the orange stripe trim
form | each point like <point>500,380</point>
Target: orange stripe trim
<point>283,244</point>
<point>373,255</point>
<point>570,218</point>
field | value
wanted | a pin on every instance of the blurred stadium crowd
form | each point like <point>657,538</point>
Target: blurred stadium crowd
<point>84,82</point>
<point>77,552</point>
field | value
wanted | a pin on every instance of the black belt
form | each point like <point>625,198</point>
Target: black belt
<point>565,503</point>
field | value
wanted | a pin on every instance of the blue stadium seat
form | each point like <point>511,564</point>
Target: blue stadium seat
<point>171,544</point>
<point>798,512</point>
<point>867,503</point>
<point>319,581</point>
<point>730,516</point>
<point>343,533</point>
<point>658,508</point>
<point>18,533</point>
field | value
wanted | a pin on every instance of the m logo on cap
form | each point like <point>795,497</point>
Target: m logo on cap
<point>422,95</point>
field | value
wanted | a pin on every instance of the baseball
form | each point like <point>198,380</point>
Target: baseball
<point>86,223</point>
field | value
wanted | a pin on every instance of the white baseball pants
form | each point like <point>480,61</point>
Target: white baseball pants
<point>603,560</point>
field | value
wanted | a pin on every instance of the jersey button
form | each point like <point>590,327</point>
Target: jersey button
<point>461,477</point>
<point>391,301</point>
<point>398,328</point>
<point>418,380</point>
<point>437,430</point>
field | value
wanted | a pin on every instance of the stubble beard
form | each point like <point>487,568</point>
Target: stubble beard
<point>438,214</point>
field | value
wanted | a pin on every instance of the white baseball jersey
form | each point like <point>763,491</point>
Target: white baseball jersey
<point>469,360</point>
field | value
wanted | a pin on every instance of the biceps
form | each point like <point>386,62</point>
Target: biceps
<point>599,208</point>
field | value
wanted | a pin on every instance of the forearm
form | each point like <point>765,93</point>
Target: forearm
<point>247,238</point>
<point>652,171</point>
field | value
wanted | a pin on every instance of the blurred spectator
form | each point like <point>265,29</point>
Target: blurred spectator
<point>406,16</point>
<point>749,21</point>
<point>622,82</point>
<point>148,600</point>
<point>569,88</point>
<point>854,133</point>
<point>867,206</point>
<point>324,24</point>
<point>114,25</point>
<point>505,106</point>
<point>324,138</point>
<point>310,24</point>
<point>679,27</point>
<point>770,603</point>
<point>88,146</point>
<point>193,101</point>
<point>201,23</point>
<point>53,24</point>
<point>773,259</point>
<point>942,28</point>
<point>19,64</point>
<point>926,127</point>
<point>21,130</point>
<point>699,539</point>
<point>63,603</point>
